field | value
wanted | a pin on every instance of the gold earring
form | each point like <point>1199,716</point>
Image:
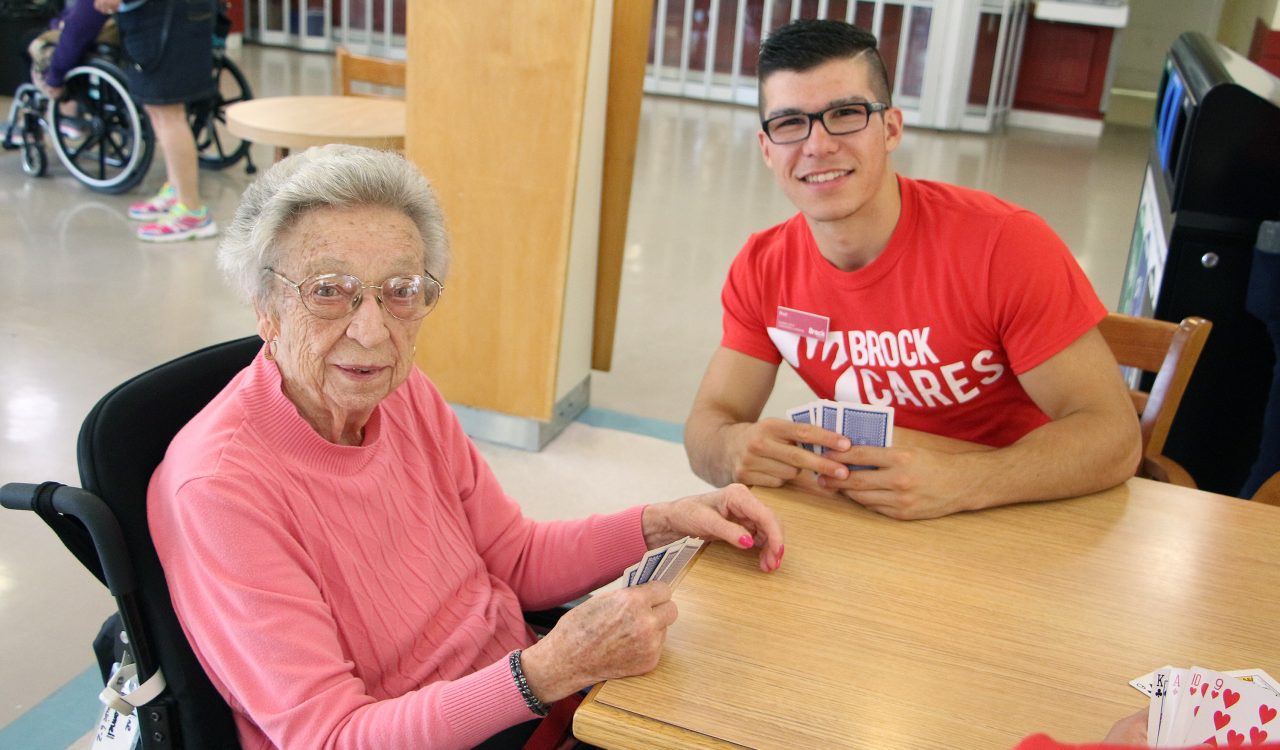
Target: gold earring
<point>270,353</point>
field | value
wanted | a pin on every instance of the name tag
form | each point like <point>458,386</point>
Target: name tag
<point>803,323</point>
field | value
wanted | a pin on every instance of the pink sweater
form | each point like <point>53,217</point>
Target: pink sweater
<point>360,597</point>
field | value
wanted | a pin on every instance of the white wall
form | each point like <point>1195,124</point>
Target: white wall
<point>1239,18</point>
<point>1153,25</point>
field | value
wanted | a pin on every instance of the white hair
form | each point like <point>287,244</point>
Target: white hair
<point>336,175</point>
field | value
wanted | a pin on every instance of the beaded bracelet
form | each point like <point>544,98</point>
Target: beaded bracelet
<point>530,700</point>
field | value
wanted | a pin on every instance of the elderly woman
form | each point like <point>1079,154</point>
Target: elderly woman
<point>342,560</point>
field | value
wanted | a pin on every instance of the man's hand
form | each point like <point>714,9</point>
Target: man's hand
<point>106,6</point>
<point>732,515</point>
<point>1091,442</point>
<point>618,634</point>
<point>727,444</point>
<point>907,483</point>
<point>768,453</point>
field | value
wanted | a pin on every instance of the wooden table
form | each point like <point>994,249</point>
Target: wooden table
<point>970,631</point>
<point>289,122</point>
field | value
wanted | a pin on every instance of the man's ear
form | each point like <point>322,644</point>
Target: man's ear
<point>765,145</point>
<point>892,129</point>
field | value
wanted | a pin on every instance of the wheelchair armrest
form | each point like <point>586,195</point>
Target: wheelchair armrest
<point>543,620</point>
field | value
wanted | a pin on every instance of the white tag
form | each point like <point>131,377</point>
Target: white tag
<point>118,731</point>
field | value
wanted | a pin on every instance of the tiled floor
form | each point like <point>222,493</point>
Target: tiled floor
<point>83,306</point>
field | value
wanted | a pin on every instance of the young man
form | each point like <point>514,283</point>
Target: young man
<point>965,313</point>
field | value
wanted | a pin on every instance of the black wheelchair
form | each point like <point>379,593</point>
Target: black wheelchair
<point>103,136</point>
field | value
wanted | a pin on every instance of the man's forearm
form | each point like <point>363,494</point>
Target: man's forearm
<point>1076,455</point>
<point>705,440</point>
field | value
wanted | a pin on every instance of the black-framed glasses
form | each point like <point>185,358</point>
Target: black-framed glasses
<point>842,119</point>
<point>336,295</point>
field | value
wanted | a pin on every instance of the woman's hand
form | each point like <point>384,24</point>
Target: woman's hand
<point>617,634</point>
<point>731,514</point>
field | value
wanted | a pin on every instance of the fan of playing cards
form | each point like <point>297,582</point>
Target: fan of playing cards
<point>862,424</point>
<point>662,564</point>
<point>1198,706</point>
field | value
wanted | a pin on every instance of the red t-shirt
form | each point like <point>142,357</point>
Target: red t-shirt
<point>969,293</point>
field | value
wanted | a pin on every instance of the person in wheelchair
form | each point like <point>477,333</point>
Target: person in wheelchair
<point>344,563</point>
<point>55,52</point>
<point>50,54</point>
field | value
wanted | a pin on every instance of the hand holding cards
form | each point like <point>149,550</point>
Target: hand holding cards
<point>860,423</point>
<point>1197,706</point>
<point>662,564</point>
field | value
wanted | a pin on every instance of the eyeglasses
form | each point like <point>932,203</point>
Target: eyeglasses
<point>336,295</point>
<point>841,119</point>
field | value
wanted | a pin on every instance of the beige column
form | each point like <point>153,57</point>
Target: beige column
<point>507,106</point>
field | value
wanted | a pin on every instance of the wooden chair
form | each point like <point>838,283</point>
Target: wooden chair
<point>1269,492</point>
<point>375,71</point>
<point>1170,350</point>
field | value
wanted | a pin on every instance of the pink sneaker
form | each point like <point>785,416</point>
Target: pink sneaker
<point>181,224</point>
<point>155,207</point>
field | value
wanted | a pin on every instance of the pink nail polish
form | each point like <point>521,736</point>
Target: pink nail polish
<point>745,540</point>
<point>782,548</point>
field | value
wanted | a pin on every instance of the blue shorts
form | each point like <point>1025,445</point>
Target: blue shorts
<point>169,49</point>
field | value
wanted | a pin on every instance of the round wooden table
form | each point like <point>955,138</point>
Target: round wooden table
<point>293,122</point>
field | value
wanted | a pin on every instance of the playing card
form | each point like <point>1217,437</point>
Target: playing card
<point>1147,682</point>
<point>866,425</point>
<point>1167,707</point>
<point>674,563</point>
<point>1160,683</point>
<point>828,418</point>
<point>1259,678</point>
<point>652,560</point>
<point>649,565</point>
<point>802,415</point>
<point>1240,713</point>
<point>1196,688</point>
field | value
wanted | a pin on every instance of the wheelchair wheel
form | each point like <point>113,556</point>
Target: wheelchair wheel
<point>218,148</point>
<point>34,159</point>
<point>104,139</point>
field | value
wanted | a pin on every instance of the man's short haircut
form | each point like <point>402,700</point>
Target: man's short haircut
<point>803,45</point>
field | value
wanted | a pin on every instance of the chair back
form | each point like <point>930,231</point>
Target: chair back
<point>374,71</point>
<point>121,442</point>
<point>1170,350</point>
<point>1269,492</point>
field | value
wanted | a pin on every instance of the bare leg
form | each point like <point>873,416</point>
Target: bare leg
<point>179,148</point>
